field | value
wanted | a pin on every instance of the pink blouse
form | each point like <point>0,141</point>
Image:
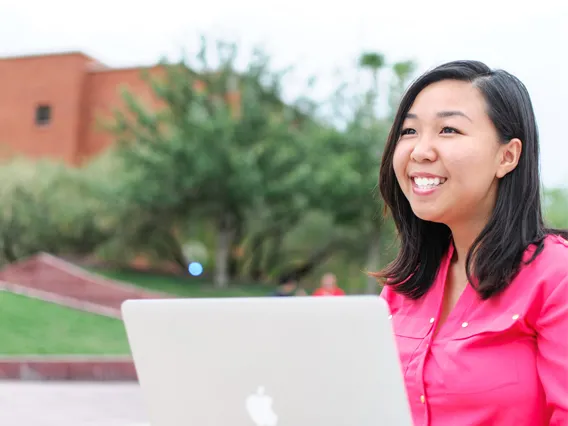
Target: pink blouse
<point>500,362</point>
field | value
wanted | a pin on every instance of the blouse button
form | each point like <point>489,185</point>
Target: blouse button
<point>464,324</point>
<point>422,399</point>
<point>516,317</point>
<point>432,320</point>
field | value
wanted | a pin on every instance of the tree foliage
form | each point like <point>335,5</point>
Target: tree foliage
<point>222,147</point>
<point>49,207</point>
<point>556,207</point>
<point>225,149</point>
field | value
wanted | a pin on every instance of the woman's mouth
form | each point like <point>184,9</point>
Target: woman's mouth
<point>426,185</point>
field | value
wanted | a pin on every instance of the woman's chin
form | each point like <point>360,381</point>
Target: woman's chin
<point>429,214</point>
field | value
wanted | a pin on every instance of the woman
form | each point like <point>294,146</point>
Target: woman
<point>479,290</point>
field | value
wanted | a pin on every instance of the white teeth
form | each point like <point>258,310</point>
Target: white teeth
<point>428,182</point>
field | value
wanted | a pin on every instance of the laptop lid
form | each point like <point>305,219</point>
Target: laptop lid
<point>298,361</point>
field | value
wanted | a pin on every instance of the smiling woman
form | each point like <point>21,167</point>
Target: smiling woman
<point>479,290</point>
<point>438,140</point>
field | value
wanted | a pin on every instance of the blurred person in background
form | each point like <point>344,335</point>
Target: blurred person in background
<point>287,287</point>
<point>479,290</point>
<point>329,287</point>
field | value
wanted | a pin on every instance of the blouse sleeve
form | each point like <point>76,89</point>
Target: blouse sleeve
<point>552,355</point>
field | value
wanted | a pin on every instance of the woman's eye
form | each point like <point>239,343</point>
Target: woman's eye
<point>449,130</point>
<point>407,132</point>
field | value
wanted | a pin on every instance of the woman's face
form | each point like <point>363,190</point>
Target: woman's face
<point>448,159</point>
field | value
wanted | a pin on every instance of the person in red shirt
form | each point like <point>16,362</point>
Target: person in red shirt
<point>329,287</point>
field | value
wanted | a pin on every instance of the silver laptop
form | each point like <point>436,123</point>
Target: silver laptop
<point>290,361</point>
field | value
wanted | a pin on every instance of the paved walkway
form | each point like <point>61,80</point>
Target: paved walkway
<point>71,404</point>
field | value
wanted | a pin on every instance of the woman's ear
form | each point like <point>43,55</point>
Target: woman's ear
<point>510,153</point>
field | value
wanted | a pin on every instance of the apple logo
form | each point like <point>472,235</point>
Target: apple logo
<point>259,407</point>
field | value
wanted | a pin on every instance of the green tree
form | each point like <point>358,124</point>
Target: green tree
<point>556,207</point>
<point>374,62</point>
<point>374,132</point>
<point>343,191</point>
<point>361,148</point>
<point>403,72</point>
<point>47,206</point>
<point>221,148</point>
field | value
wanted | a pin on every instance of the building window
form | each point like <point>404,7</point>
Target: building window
<point>43,115</point>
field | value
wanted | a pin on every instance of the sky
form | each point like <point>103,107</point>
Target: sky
<point>318,38</point>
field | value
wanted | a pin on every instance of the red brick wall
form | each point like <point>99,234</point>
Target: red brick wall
<point>80,91</point>
<point>102,95</point>
<point>57,80</point>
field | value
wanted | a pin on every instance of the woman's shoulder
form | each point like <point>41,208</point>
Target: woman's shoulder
<point>552,260</point>
<point>396,300</point>
<point>391,297</point>
<point>542,286</point>
<point>548,270</point>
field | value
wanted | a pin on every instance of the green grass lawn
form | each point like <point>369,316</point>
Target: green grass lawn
<point>29,326</point>
<point>34,327</point>
<point>184,286</point>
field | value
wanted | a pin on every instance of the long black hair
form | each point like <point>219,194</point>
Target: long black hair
<point>517,220</point>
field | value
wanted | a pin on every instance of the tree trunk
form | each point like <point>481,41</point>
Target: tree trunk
<point>225,237</point>
<point>313,261</point>
<point>255,270</point>
<point>176,251</point>
<point>273,257</point>
<point>8,252</point>
<point>234,261</point>
<point>258,249</point>
<point>373,262</point>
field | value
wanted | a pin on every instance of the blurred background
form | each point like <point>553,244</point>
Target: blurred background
<point>217,149</point>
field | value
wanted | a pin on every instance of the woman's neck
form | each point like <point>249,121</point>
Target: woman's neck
<point>463,237</point>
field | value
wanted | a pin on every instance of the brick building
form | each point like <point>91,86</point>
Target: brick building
<point>50,104</point>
